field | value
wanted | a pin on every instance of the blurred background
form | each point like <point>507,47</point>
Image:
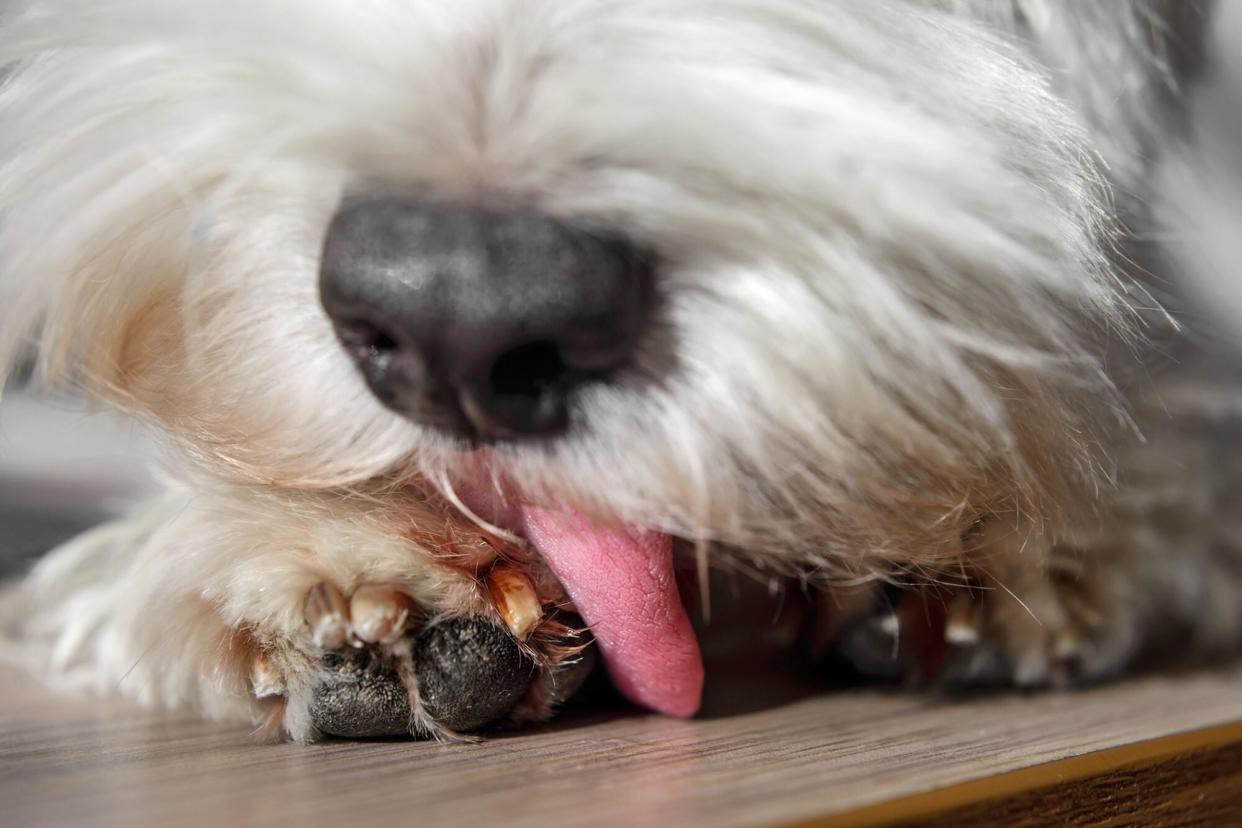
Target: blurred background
<point>63,468</point>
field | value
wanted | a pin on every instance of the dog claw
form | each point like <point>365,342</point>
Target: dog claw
<point>516,600</point>
<point>961,628</point>
<point>379,614</point>
<point>888,624</point>
<point>327,615</point>
<point>1066,646</point>
<point>265,680</point>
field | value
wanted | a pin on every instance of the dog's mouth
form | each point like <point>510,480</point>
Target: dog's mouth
<point>623,584</point>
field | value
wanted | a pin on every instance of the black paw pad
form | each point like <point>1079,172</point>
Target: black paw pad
<point>978,668</point>
<point>357,700</point>
<point>470,672</point>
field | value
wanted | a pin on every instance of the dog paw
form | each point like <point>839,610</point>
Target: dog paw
<point>1047,636</point>
<point>973,636</point>
<point>374,663</point>
<point>1038,619</point>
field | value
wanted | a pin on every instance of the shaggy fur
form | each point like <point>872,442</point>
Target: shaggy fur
<point>897,331</point>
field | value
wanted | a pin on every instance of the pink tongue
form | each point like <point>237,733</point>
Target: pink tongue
<point>623,585</point>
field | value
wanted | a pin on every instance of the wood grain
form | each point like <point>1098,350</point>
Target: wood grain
<point>1198,788</point>
<point>77,762</point>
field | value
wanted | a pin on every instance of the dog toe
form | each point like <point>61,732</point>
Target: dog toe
<point>378,614</point>
<point>327,615</point>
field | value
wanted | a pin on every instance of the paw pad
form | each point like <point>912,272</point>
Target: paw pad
<point>358,700</point>
<point>469,673</point>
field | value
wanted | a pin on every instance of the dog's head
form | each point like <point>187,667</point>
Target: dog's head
<point>823,277</point>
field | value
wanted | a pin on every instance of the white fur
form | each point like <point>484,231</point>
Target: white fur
<point>861,201</point>
<point>885,234</point>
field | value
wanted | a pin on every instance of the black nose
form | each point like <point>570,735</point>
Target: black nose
<point>481,323</point>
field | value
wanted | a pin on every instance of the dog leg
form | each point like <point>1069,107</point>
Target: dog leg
<point>308,621</point>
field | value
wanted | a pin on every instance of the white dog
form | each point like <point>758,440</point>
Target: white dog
<point>467,319</point>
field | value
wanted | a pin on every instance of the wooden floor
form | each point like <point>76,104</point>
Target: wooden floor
<point>846,758</point>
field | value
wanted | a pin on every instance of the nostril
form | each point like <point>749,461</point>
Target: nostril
<point>525,392</point>
<point>379,346</point>
<point>371,348</point>
<point>528,371</point>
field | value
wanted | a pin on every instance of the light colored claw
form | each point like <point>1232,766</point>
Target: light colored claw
<point>961,627</point>
<point>889,624</point>
<point>1066,645</point>
<point>378,614</point>
<point>265,680</point>
<point>328,617</point>
<point>516,599</point>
